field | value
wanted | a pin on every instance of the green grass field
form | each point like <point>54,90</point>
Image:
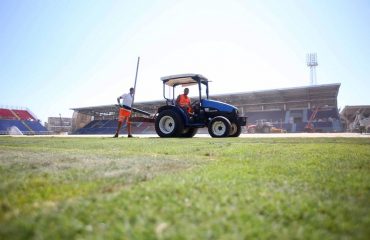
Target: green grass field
<point>200,188</point>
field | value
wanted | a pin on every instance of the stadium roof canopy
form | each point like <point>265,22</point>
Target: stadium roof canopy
<point>98,110</point>
<point>316,93</point>
<point>303,94</point>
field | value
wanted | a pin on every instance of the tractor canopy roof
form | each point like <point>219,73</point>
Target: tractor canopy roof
<point>184,79</point>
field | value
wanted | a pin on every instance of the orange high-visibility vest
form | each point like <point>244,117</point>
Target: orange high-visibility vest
<point>184,100</point>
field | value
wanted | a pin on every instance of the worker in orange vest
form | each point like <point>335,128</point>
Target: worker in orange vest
<point>124,113</point>
<point>184,101</point>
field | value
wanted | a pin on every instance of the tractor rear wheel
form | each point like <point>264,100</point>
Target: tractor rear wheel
<point>168,124</point>
<point>219,127</point>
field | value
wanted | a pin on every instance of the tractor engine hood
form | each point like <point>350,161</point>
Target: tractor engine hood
<point>216,105</point>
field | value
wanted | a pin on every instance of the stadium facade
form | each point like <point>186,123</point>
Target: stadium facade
<point>289,108</point>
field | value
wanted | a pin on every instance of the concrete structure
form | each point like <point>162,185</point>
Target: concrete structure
<point>59,124</point>
<point>351,116</point>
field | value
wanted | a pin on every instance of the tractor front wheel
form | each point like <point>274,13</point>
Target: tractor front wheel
<point>236,130</point>
<point>219,127</point>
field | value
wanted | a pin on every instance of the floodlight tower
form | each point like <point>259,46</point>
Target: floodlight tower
<point>311,60</point>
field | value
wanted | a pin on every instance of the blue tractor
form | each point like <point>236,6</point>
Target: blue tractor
<point>222,119</point>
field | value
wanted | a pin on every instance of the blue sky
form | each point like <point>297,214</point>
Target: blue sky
<point>56,55</point>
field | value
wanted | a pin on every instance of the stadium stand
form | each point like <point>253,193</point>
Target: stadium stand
<point>290,109</point>
<point>35,126</point>
<point>6,114</point>
<point>23,115</point>
<point>6,124</point>
<point>19,121</point>
<point>109,127</point>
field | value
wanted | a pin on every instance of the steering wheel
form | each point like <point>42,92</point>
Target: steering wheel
<point>194,104</point>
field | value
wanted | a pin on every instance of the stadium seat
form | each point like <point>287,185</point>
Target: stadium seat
<point>6,114</point>
<point>5,125</point>
<point>110,127</point>
<point>23,114</point>
<point>36,126</point>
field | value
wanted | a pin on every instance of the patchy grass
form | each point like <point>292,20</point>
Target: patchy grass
<point>103,188</point>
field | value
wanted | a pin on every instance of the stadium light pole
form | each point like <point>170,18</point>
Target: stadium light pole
<point>311,60</point>
<point>61,122</point>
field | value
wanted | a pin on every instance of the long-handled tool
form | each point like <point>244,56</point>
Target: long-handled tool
<point>137,70</point>
<point>136,110</point>
<point>133,97</point>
